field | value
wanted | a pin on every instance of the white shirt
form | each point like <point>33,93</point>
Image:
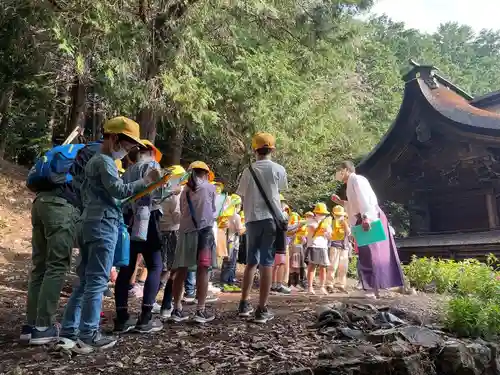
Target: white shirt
<point>273,179</point>
<point>361,199</point>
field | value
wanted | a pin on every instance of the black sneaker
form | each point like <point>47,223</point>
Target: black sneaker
<point>263,315</point>
<point>51,334</point>
<point>179,316</point>
<point>203,316</point>
<point>25,336</point>
<point>97,342</point>
<point>124,326</point>
<point>245,309</point>
<point>148,326</point>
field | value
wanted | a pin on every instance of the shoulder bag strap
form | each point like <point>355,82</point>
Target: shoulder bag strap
<point>264,196</point>
<point>319,226</point>
<point>191,210</point>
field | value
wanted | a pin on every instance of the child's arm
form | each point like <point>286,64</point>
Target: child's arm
<point>114,184</point>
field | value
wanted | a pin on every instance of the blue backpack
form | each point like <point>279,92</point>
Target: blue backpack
<point>53,168</point>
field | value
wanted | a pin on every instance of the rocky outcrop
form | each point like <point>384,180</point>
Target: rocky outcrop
<point>377,341</point>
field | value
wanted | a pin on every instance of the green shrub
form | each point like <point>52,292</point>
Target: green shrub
<point>352,271</point>
<point>472,316</point>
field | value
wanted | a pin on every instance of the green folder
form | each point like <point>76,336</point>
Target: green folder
<point>375,234</point>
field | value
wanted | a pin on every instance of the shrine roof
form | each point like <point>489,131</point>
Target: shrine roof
<point>443,106</point>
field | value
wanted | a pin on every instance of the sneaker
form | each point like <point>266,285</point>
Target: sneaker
<point>156,308</point>
<point>166,313</point>
<point>283,290</point>
<point>26,331</point>
<point>137,291</point>
<point>274,288</point>
<point>209,299</point>
<point>213,289</point>
<point>97,342</point>
<point>245,309</point>
<point>203,316</point>
<point>263,315</point>
<point>179,315</point>
<point>66,341</point>
<point>149,326</point>
<point>51,334</point>
<point>122,326</point>
<point>188,298</point>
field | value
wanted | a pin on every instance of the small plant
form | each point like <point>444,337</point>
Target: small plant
<point>352,271</point>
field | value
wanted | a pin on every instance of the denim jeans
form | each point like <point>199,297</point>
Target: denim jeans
<point>82,313</point>
<point>190,283</point>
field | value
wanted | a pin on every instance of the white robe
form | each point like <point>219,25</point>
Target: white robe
<point>361,199</point>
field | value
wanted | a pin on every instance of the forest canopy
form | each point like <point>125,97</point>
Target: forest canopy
<point>202,76</point>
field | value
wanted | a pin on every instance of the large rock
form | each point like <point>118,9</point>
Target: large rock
<point>460,358</point>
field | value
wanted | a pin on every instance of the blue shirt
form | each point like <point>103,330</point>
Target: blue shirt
<point>103,186</point>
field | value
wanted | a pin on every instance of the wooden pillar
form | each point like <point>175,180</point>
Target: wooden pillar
<point>418,208</point>
<point>491,208</point>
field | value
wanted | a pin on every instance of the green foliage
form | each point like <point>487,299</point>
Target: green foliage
<point>474,309</point>
<point>352,270</point>
<point>325,83</point>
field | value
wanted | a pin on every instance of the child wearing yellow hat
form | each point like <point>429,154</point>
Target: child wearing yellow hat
<point>319,233</point>
<point>339,251</point>
<point>299,240</point>
<point>234,230</point>
<point>101,219</point>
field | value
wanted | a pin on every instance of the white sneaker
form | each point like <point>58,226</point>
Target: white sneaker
<point>156,308</point>
<point>213,289</point>
<point>209,299</point>
<point>167,313</point>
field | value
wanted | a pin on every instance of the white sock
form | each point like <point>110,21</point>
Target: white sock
<point>41,329</point>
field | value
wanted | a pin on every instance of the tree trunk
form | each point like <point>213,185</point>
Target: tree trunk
<point>175,146</point>
<point>5,101</point>
<point>78,102</point>
<point>147,121</point>
<point>163,34</point>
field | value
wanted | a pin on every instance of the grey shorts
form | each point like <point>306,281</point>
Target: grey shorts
<point>260,242</point>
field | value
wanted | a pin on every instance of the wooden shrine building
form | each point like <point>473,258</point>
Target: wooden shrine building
<point>441,159</point>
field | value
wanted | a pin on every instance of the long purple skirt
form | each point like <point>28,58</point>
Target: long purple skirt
<point>378,264</point>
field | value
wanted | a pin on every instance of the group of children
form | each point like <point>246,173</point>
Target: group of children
<point>182,230</point>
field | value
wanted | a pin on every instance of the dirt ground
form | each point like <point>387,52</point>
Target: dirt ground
<point>229,345</point>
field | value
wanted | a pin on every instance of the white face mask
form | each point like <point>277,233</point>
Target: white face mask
<point>120,154</point>
<point>338,176</point>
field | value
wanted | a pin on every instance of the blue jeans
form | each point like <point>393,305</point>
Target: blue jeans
<point>190,283</point>
<point>83,311</point>
<point>260,242</point>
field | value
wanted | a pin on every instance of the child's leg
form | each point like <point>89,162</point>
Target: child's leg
<point>133,278</point>
<point>166,304</point>
<point>154,266</point>
<point>122,282</point>
<point>311,270</point>
<point>341,279</point>
<point>201,286</point>
<point>178,286</point>
<point>286,267</point>
<point>322,278</point>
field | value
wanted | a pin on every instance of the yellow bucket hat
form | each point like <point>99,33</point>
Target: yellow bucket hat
<point>338,211</point>
<point>150,145</point>
<point>308,214</point>
<point>202,165</point>
<point>263,140</point>
<point>320,209</point>
<point>282,198</point>
<point>125,126</point>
